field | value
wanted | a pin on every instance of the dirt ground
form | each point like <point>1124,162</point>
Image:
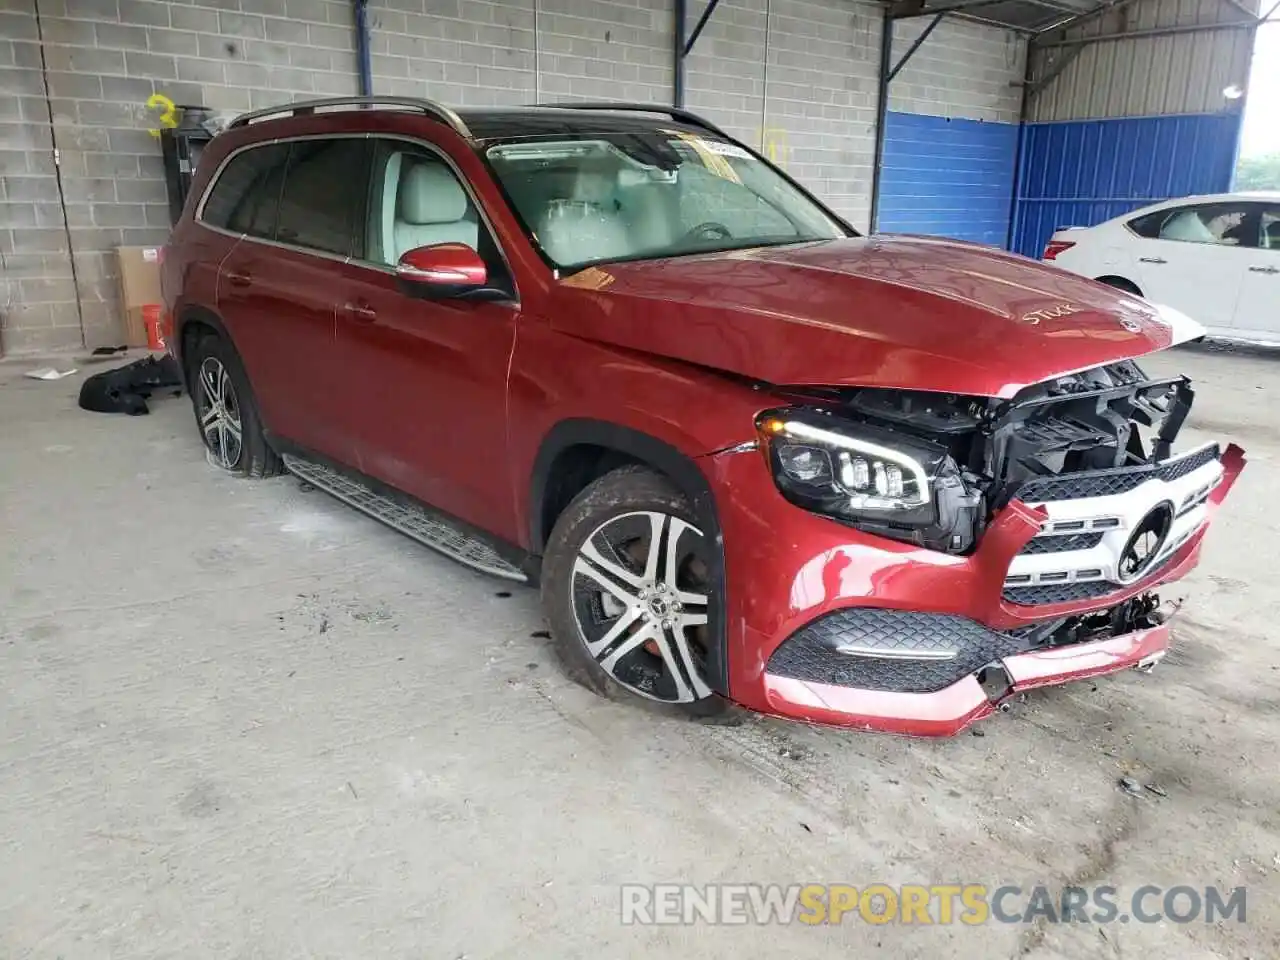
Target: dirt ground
<point>241,720</point>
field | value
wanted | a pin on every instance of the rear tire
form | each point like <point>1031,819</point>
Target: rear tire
<point>226,413</point>
<point>626,593</point>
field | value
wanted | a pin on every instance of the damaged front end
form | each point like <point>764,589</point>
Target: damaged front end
<point>1065,507</point>
<point>936,469</point>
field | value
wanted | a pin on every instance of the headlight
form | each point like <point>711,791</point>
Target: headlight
<point>882,481</point>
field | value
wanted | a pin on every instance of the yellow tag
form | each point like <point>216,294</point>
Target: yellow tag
<point>168,112</point>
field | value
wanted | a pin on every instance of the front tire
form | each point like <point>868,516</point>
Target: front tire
<point>1120,283</point>
<point>226,414</point>
<point>626,589</point>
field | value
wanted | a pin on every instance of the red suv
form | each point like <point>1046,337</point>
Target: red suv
<point>749,455</point>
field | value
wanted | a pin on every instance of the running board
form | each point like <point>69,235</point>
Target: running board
<point>428,528</point>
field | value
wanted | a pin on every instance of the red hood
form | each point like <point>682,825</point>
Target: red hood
<point>907,312</point>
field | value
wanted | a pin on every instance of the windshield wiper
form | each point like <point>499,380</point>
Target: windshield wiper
<point>671,254</point>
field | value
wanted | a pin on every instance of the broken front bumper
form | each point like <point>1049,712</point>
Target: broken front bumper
<point>792,576</point>
<point>974,696</point>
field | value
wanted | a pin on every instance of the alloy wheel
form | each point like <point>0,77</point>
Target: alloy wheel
<point>639,594</point>
<point>219,412</point>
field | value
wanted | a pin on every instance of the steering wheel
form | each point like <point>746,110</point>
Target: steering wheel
<point>709,231</point>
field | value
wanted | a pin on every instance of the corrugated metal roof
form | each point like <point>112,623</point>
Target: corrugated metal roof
<point>1146,76</point>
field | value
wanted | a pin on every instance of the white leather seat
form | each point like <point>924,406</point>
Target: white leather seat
<point>431,208</point>
<point>587,225</point>
<point>1187,226</point>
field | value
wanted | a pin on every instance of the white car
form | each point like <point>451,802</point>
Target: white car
<point>1214,258</point>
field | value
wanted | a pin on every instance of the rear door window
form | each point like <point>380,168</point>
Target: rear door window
<point>1219,224</point>
<point>245,196</point>
<point>322,200</point>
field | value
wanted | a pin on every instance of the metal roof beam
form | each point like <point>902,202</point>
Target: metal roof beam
<point>1139,34</point>
<point>902,11</point>
<point>911,51</point>
<point>1028,32</point>
<point>1054,5</point>
<point>702,22</point>
<point>1052,74</point>
<point>1087,17</point>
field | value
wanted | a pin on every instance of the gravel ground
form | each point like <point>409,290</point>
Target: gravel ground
<point>241,720</point>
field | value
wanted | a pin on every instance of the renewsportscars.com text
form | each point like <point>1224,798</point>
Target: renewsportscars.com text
<point>971,904</point>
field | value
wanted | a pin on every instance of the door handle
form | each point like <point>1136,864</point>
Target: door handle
<point>239,279</point>
<point>1264,269</point>
<point>1152,260</point>
<point>361,311</point>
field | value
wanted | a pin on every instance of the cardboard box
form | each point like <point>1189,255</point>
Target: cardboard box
<point>139,286</point>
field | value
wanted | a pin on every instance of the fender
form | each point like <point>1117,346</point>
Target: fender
<point>198,314</point>
<point>682,471</point>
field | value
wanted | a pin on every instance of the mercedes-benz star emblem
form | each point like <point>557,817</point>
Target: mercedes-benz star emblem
<point>1145,543</point>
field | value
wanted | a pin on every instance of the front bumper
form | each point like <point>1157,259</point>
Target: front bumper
<point>949,710</point>
<point>786,569</point>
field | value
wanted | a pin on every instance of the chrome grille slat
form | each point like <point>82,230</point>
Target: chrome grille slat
<point>1076,554</point>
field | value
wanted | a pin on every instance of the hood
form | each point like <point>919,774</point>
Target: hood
<point>907,312</point>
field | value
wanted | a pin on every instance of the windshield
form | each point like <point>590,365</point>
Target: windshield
<point>663,193</point>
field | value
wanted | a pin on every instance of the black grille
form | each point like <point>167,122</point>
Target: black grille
<point>1059,592</point>
<point>1063,543</point>
<point>810,654</point>
<point>1103,483</point>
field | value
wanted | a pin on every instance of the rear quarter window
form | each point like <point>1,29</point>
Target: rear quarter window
<point>1149,226</point>
<point>245,197</point>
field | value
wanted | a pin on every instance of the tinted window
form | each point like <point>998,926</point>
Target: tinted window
<point>1149,226</point>
<point>322,194</point>
<point>245,195</point>
<point>1220,224</point>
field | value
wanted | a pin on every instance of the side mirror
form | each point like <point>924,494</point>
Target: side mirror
<point>442,270</point>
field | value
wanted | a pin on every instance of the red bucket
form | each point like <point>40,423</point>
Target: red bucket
<point>152,314</point>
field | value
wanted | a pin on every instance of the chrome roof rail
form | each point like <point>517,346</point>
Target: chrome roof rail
<point>305,107</point>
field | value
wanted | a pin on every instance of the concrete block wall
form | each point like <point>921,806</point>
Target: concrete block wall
<point>797,80</point>
<point>103,59</point>
<point>605,49</point>
<point>461,52</point>
<point>37,293</point>
<point>795,77</point>
<point>501,52</point>
<point>964,70</point>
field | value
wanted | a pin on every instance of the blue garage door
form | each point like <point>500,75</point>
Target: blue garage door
<point>948,177</point>
<point>1079,173</point>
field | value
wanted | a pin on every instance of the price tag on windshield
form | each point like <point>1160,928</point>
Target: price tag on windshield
<point>726,149</point>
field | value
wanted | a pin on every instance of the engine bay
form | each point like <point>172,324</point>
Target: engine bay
<point>1112,416</point>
